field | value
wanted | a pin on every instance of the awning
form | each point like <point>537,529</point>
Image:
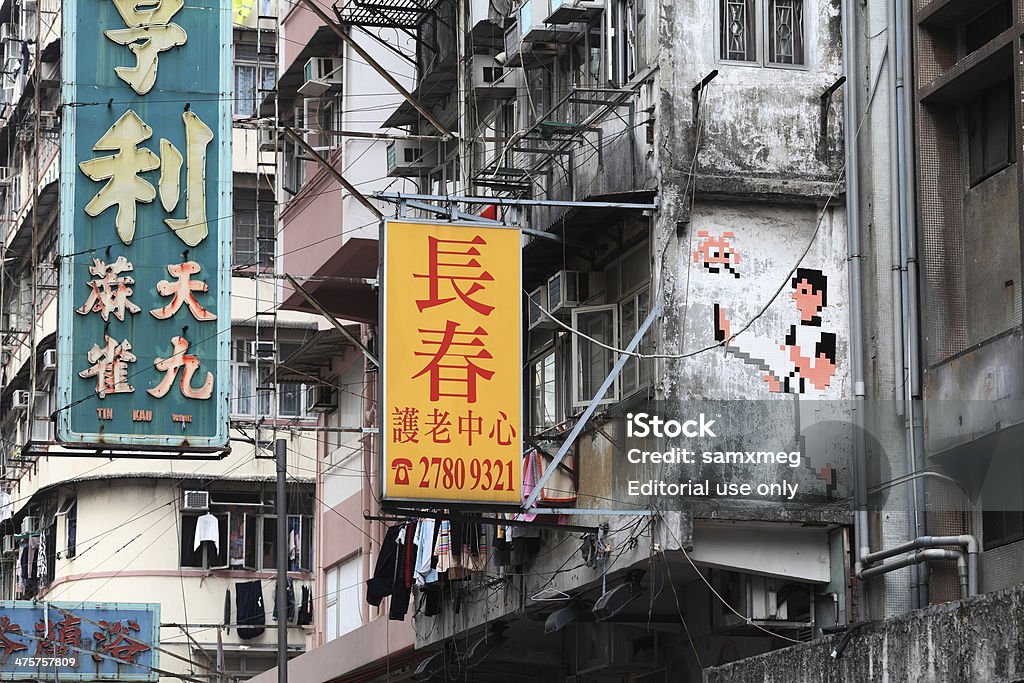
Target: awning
<point>344,298</point>
<point>304,365</point>
<point>432,89</point>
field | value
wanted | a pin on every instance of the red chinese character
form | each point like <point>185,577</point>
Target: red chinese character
<point>496,431</point>
<point>110,289</point>
<point>451,355</point>
<point>181,292</point>
<point>457,274</point>
<point>439,423</point>
<point>115,641</point>
<point>63,639</point>
<point>170,366</point>
<point>8,646</point>
<point>470,425</point>
<point>405,423</point>
<point>110,367</point>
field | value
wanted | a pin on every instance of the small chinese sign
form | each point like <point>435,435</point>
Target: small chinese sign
<point>79,641</point>
<point>145,223</point>
<point>452,429</point>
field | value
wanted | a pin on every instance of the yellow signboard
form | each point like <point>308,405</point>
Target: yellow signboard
<point>452,422</point>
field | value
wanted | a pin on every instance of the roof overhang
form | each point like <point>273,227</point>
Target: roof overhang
<point>345,297</point>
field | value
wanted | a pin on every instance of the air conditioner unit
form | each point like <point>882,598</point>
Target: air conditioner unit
<point>568,289</point>
<point>262,350</point>
<point>49,121</point>
<point>410,157</point>
<point>196,500</point>
<point>267,139</point>
<point>538,299</point>
<point>10,546</point>
<point>321,74</point>
<point>320,398</point>
<point>19,400</point>
<point>609,648</point>
<point>534,26</point>
<point>50,360</point>
<point>572,11</point>
<point>490,79</point>
<point>758,599</point>
<point>29,524</point>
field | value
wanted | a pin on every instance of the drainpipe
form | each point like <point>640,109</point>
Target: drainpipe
<point>908,268</point>
<point>921,556</point>
<point>850,121</point>
<point>968,542</point>
<point>900,311</point>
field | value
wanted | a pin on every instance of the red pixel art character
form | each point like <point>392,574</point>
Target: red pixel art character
<point>464,277</point>
<point>114,640</point>
<point>181,292</point>
<point>63,639</point>
<point>453,361</point>
<point>170,366</point>
<point>717,253</point>
<point>9,646</point>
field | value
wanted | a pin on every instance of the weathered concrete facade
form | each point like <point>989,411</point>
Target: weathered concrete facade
<point>980,639</point>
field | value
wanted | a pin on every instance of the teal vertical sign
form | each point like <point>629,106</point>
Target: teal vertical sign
<point>144,331</point>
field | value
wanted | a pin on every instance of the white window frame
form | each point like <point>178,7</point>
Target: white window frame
<point>551,352</point>
<point>342,595</point>
<point>612,395</point>
<point>261,70</point>
<point>760,27</point>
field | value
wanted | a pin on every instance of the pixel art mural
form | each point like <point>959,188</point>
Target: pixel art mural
<point>807,358</point>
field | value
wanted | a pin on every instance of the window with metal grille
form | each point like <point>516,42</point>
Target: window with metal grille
<point>764,32</point>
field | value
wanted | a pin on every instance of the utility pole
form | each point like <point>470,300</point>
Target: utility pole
<point>281,507</point>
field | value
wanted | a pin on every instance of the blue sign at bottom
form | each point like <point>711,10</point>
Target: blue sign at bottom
<point>79,641</point>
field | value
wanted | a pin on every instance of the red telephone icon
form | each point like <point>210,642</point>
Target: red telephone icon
<point>401,467</point>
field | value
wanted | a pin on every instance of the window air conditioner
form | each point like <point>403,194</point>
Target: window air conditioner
<point>538,299</point>
<point>410,157</point>
<point>19,400</point>
<point>320,398</point>
<point>321,74</point>
<point>10,547</point>
<point>50,360</point>
<point>196,500</point>
<point>568,289</point>
<point>49,121</point>
<point>488,79</point>
<point>571,11</point>
<point>29,524</point>
<point>263,350</point>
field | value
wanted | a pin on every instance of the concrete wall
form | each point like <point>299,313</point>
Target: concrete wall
<point>980,639</point>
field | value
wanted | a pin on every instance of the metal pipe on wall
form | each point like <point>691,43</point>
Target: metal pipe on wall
<point>850,125</point>
<point>920,557</point>
<point>968,542</point>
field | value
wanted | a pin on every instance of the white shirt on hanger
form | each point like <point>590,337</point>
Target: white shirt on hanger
<point>208,529</point>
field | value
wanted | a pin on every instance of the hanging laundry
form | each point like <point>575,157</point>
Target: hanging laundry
<point>208,529</point>
<point>383,580</point>
<point>227,610</point>
<point>290,591</point>
<point>403,568</point>
<point>305,608</point>
<point>41,559</point>
<point>252,617</point>
<point>426,536</point>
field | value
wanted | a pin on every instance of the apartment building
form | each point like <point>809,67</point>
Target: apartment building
<point>121,526</point>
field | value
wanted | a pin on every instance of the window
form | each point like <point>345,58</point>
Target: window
<point>543,387</point>
<point>249,248</point>
<point>247,538</point>
<point>591,361</point>
<point>250,399</point>
<point>344,583</point>
<point>768,32</point>
<point>247,67</point>
<point>69,511</point>
<point>990,131</point>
